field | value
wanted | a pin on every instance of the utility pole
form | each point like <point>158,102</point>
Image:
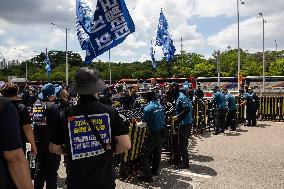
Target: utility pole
<point>181,45</point>
<point>276,49</point>
<point>218,68</point>
<point>109,67</point>
<point>66,53</point>
<point>239,51</point>
<point>263,55</point>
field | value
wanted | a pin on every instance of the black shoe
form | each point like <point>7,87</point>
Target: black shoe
<point>234,129</point>
<point>155,172</point>
<point>173,162</point>
<point>183,166</point>
<point>222,131</point>
<point>216,133</point>
<point>145,179</point>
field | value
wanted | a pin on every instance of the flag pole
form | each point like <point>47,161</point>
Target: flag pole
<point>109,67</point>
<point>48,74</point>
<point>181,45</point>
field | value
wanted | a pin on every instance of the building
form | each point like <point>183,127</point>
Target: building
<point>6,64</point>
<point>2,64</point>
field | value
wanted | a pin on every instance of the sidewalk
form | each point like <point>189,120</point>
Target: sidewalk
<point>251,158</point>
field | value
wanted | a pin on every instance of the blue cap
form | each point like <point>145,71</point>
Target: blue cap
<point>58,90</point>
<point>47,91</point>
<point>187,85</point>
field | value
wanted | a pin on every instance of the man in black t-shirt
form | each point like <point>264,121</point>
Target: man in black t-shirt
<point>199,93</point>
<point>13,164</point>
<point>45,114</point>
<point>89,162</point>
<point>11,92</point>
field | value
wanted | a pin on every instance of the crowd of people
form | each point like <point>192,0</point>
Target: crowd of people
<point>83,124</point>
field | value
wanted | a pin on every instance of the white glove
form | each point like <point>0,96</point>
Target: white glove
<point>141,124</point>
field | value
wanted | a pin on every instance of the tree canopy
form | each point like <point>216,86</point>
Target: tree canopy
<point>184,65</point>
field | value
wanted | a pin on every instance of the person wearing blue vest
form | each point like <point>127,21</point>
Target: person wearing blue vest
<point>184,121</point>
<point>154,117</point>
<point>251,107</point>
<point>221,106</point>
<point>232,110</point>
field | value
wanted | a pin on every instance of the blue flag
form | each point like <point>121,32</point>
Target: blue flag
<point>152,53</point>
<point>103,29</point>
<point>164,38</point>
<point>47,65</point>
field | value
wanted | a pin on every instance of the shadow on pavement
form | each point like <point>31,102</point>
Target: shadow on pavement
<point>206,134</point>
<point>242,131</point>
<point>262,125</point>
<point>168,179</point>
<point>233,134</point>
<point>175,178</point>
<point>200,158</point>
<point>202,170</point>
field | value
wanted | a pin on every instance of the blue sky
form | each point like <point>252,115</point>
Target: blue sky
<point>205,25</point>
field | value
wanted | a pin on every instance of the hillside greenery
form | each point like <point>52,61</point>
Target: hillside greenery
<point>184,65</point>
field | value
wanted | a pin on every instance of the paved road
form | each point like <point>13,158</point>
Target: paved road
<point>252,157</point>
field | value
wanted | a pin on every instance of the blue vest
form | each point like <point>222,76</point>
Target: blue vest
<point>232,105</point>
<point>182,103</point>
<point>154,116</point>
<point>220,100</point>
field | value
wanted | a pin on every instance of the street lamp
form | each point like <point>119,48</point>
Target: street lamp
<point>239,51</point>
<point>263,55</point>
<point>26,61</point>
<point>66,30</point>
<point>276,49</point>
<point>218,66</point>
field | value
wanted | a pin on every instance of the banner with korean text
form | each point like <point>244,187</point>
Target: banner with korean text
<point>82,139</point>
<point>104,29</point>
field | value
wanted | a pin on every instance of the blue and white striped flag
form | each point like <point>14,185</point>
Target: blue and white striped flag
<point>164,38</point>
<point>47,64</point>
<point>103,29</point>
<point>152,54</point>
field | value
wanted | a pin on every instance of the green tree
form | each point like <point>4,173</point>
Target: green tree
<point>277,68</point>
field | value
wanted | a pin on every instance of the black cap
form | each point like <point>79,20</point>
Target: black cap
<point>87,82</point>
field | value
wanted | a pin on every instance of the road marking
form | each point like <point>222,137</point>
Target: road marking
<point>186,173</point>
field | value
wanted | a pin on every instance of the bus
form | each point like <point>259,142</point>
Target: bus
<point>207,83</point>
<point>272,83</point>
<point>165,81</point>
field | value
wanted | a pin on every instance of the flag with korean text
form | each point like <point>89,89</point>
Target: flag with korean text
<point>47,64</point>
<point>103,29</point>
<point>164,38</point>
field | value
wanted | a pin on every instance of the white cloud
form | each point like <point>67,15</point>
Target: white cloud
<point>20,53</point>
<point>131,42</point>
<point>22,27</point>
<point>251,34</point>
<point>123,53</point>
<point>209,8</point>
<point>146,15</point>
<point>144,57</point>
